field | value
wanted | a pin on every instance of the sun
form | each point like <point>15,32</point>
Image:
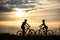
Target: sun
<point>20,14</point>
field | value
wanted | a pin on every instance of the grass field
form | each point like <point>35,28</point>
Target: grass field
<point>8,36</point>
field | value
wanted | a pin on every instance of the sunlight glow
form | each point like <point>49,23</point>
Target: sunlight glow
<point>20,14</point>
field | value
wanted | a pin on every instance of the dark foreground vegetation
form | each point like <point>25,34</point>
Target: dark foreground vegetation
<point>8,36</point>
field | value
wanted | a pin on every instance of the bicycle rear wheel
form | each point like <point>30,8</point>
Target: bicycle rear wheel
<point>38,32</point>
<point>49,33</point>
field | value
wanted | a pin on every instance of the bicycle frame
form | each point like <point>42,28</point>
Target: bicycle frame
<point>27,29</point>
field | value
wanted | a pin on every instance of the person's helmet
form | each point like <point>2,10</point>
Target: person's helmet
<point>43,20</point>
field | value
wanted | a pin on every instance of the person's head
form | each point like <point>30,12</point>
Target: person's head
<point>25,20</point>
<point>43,21</point>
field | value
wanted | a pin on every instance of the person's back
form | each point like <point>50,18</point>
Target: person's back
<point>23,25</point>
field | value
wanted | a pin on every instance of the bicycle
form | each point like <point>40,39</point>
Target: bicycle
<point>28,31</point>
<point>42,32</point>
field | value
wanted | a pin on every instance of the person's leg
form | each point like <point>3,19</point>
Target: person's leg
<point>46,31</point>
<point>24,32</point>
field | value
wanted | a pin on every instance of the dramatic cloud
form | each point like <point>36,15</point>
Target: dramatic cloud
<point>4,9</point>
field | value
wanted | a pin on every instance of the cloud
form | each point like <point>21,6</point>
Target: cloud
<point>54,10</point>
<point>47,2</point>
<point>52,15</point>
<point>57,1</point>
<point>4,9</point>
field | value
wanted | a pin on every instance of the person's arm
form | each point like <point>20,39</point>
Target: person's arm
<point>41,25</point>
<point>28,25</point>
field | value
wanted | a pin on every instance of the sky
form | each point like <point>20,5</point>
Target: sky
<point>34,12</point>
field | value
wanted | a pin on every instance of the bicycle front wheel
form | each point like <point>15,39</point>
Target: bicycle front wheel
<point>19,33</point>
<point>49,33</point>
<point>31,32</point>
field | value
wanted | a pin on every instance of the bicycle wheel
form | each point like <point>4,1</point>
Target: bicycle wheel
<point>19,33</point>
<point>31,32</point>
<point>49,33</point>
<point>38,32</point>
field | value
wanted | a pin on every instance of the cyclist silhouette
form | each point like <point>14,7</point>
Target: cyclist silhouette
<point>24,24</point>
<point>44,26</point>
